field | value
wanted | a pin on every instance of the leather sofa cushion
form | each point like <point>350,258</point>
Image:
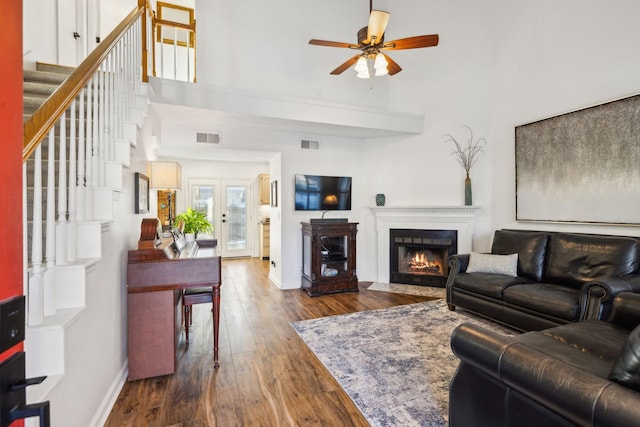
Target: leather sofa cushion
<point>530,247</point>
<point>558,301</point>
<point>575,259</point>
<point>626,370</point>
<point>492,263</point>
<point>488,284</point>
<point>592,346</point>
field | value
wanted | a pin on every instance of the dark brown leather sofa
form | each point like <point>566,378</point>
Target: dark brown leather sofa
<point>561,278</point>
<point>585,373</point>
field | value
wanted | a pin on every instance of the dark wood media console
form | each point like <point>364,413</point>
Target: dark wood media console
<point>329,257</point>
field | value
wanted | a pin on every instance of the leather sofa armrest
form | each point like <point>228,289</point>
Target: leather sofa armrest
<point>596,297</point>
<point>564,389</point>
<point>480,347</point>
<point>457,264</point>
<point>626,310</point>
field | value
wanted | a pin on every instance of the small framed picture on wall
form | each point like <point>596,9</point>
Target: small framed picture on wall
<point>141,193</point>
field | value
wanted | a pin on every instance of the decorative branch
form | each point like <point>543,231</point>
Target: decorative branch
<point>468,155</point>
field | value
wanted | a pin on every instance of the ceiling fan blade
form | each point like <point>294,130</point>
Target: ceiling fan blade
<point>377,24</point>
<point>345,65</point>
<point>333,44</point>
<point>412,42</point>
<point>392,66</point>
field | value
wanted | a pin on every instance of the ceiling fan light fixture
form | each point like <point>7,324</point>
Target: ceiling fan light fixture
<point>380,65</point>
<point>362,68</point>
<point>361,64</point>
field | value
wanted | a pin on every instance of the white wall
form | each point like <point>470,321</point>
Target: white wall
<point>559,57</point>
<point>267,50</point>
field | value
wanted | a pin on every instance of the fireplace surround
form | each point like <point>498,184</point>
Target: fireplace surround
<point>458,218</point>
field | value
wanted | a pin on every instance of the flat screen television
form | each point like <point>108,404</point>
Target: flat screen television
<point>323,193</point>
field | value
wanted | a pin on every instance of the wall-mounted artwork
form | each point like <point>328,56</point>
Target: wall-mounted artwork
<point>141,186</point>
<point>582,166</point>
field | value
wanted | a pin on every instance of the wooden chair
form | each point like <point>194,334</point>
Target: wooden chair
<point>192,296</point>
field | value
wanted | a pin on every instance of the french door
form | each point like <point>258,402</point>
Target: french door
<point>227,205</point>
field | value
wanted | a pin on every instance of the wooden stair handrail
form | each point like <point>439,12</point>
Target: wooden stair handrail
<point>45,117</point>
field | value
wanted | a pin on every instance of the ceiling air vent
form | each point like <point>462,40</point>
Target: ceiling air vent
<point>208,137</point>
<point>308,144</point>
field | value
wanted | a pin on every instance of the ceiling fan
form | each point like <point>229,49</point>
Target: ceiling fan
<point>371,43</point>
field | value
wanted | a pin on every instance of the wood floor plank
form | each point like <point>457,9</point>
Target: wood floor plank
<point>267,375</point>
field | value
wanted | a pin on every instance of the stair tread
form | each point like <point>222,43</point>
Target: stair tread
<point>54,68</point>
<point>44,76</point>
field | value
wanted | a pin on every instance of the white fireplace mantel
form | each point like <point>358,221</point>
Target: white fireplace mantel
<point>459,218</point>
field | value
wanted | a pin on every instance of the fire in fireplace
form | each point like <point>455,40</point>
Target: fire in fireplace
<point>420,256</point>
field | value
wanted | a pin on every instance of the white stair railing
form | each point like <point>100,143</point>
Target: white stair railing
<point>84,136</point>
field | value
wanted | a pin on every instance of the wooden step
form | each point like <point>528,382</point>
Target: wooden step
<point>54,68</point>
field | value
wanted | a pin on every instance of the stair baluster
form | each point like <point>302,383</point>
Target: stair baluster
<point>71,226</point>
<point>36,280</point>
<point>49,305</point>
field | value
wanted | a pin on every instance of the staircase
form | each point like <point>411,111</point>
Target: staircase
<point>64,263</point>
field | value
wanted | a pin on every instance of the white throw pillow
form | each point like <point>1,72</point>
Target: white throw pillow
<point>489,263</point>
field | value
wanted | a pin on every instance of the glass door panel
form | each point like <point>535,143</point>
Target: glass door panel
<point>235,219</point>
<point>203,200</point>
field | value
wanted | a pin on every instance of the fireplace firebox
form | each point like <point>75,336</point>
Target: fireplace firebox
<point>419,257</point>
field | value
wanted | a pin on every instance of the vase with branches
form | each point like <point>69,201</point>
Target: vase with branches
<point>466,155</point>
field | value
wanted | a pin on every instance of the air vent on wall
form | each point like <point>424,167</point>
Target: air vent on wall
<point>308,144</point>
<point>208,137</point>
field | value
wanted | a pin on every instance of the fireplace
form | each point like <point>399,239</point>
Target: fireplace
<point>420,257</point>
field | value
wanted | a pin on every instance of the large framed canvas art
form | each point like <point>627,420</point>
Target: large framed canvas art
<point>582,166</point>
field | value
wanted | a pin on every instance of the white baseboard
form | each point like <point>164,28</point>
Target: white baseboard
<point>100,418</point>
<point>273,280</point>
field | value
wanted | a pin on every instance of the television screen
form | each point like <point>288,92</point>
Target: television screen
<point>323,193</point>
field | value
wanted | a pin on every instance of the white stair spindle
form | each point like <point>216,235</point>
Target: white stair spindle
<point>95,149</point>
<point>50,249</point>
<point>61,224</point>
<point>71,230</point>
<point>36,280</point>
<point>80,187</point>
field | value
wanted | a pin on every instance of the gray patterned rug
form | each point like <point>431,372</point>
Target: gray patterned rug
<point>398,288</point>
<point>395,363</point>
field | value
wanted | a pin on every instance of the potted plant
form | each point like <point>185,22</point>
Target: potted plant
<point>194,222</point>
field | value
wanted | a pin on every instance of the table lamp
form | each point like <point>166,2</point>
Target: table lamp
<point>166,176</point>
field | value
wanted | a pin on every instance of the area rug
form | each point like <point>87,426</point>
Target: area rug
<point>398,288</point>
<point>395,363</point>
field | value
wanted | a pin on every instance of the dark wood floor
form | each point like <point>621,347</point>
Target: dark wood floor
<point>267,375</point>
